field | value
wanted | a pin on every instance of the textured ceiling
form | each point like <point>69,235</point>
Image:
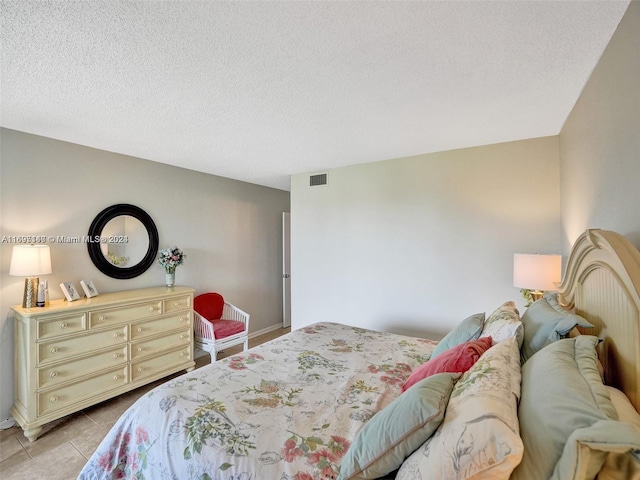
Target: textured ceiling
<point>258,91</point>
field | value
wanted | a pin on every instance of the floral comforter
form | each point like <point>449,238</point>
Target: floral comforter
<point>285,410</point>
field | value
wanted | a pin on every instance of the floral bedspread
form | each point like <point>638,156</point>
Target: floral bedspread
<point>285,410</point>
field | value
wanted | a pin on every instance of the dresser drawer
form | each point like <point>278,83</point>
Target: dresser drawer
<point>65,347</point>
<point>149,347</point>
<point>177,303</point>
<point>145,368</point>
<point>161,325</point>
<point>64,372</point>
<point>62,325</point>
<point>58,398</point>
<point>111,316</point>
<point>69,356</point>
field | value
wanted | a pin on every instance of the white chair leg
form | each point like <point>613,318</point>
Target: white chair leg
<point>246,345</point>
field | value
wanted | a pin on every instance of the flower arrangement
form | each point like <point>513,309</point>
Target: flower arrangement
<point>170,258</point>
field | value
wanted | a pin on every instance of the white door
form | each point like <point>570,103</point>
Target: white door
<point>286,269</point>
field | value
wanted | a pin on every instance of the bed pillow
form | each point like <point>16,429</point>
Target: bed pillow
<point>562,392</point>
<point>397,430</point>
<point>504,323</point>
<point>588,448</point>
<point>622,466</point>
<point>469,329</point>
<point>458,359</point>
<point>545,322</point>
<point>479,436</point>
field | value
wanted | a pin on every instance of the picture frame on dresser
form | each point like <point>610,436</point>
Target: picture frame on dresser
<point>70,291</point>
<point>89,288</point>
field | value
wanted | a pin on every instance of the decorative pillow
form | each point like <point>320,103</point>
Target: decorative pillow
<point>469,329</point>
<point>562,392</point>
<point>479,436</point>
<point>622,466</point>
<point>504,323</point>
<point>545,322</point>
<point>458,359</point>
<point>397,430</point>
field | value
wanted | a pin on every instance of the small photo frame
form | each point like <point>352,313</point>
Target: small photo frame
<point>70,291</point>
<point>89,288</point>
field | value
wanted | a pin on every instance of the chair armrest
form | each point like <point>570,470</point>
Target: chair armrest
<point>202,327</point>
<point>231,312</point>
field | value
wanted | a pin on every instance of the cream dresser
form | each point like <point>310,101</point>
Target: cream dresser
<point>71,355</point>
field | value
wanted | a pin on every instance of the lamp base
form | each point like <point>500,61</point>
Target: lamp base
<point>30,292</point>
<point>531,295</point>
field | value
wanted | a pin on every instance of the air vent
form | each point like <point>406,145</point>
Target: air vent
<point>318,180</point>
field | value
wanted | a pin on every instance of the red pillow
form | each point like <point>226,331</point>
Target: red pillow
<point>457,359</point>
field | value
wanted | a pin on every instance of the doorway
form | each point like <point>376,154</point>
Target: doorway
<point>286,270</point>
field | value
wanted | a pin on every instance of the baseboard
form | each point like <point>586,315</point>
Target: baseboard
<point>265,330</point>
<point>7,423</point>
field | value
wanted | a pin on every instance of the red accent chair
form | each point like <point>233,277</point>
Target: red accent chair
<point>218,324</point>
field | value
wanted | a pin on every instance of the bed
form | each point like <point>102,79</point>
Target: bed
<point>332,401</point>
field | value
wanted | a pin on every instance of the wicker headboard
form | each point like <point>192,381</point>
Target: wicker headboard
<point>602,283</point>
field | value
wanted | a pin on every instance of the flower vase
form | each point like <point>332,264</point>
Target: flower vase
<point>170,279</point>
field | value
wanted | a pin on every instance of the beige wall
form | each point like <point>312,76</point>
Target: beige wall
<point>415,245</point>
<point>600,142</point>
<point>230,230</point>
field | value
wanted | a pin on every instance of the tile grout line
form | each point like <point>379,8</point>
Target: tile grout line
<point>17,437</point>
<point>78,450</point>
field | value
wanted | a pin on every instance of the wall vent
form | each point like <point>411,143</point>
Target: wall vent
<point>318,180</point>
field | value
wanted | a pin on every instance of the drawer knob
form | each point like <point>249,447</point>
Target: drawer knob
<point>53,399</point>
<point>153,309</point>
<point>64,325</point>
<point>182,354</point>
<point>182,319</point>
<point>55,350</point>
<point>117,335</point>
<point>102,318</point>
<point>140,369</point>
<point>116,355</point>
<point>140,329</point>
<point>116,377</point>
<point>140,349</point>
<point>176,304</point>
<point>183,336</point>
<point>53,374</point>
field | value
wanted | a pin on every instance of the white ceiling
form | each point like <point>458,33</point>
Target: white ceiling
<point>257,91</point>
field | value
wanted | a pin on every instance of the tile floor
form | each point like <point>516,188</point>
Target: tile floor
<point>65,445</point>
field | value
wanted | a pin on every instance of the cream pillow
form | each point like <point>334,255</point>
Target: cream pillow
<point>619,466</point>
<point>504,323</point>
<point>479,436</point>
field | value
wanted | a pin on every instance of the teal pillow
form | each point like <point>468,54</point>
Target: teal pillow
<point>469,329</point>
<point>561,392</point>
<point>546,322</point>
<point>393,433</point>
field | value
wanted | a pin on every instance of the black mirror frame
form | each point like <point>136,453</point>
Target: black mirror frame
<point>95,232</point>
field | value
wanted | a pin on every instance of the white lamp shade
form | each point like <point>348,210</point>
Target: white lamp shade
<point>536,272</point>
<point>30,260</point>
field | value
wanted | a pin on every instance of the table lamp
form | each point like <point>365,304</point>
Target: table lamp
<point>30,261</point>
<point>535,274</point>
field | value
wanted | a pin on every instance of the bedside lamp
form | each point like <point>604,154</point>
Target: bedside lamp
<point>30,261</point>
<point>535,274</point>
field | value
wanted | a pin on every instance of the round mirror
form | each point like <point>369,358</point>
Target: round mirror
<point>123,241</point>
